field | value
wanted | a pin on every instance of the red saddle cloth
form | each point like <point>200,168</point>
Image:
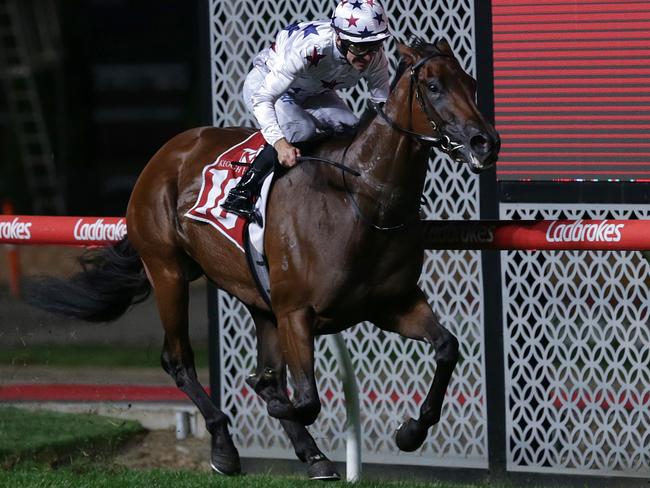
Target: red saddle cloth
<point>217,180</point>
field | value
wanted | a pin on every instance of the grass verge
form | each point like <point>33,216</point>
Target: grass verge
<point>53,438</point>
<point>91,477</point>
<point>61,450</point>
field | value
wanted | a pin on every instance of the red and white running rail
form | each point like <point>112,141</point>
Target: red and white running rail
<point>64,231</point>
<point>588,235</point>
<point>543,235</point>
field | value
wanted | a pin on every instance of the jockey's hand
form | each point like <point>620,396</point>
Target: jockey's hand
<point>287,154</point>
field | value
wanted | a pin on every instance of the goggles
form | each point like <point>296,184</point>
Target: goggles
<point>363,48</point>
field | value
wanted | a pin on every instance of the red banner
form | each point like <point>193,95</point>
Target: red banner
<point>558,235</point>
<point>587,235</point>
<point>572,72</point>
<point>70,231</point>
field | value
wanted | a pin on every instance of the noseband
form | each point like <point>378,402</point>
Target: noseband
<point>442,141</point>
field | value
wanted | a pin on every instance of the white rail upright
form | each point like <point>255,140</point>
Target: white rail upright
<point>352,423</point>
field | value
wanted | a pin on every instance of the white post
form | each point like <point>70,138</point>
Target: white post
<point>182,423</point>
<point>353,424</point>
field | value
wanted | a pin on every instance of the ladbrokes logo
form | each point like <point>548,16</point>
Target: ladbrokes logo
<point>578,231</point>
<point>16,230</point>
<point>99,231</point>
<point>453,234</point>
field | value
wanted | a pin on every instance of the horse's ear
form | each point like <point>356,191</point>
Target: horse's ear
<point>444,47</point>
<point>409,55</point>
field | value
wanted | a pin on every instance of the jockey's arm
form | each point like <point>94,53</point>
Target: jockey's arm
<point>275,84</point>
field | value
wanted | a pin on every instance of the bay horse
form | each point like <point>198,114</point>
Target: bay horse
<point>341,250</point>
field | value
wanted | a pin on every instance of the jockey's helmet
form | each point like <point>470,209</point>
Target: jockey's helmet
<point>360,21</point>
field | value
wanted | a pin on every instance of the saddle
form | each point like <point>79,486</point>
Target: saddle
<point>216,181</point>
<point>219,177</point>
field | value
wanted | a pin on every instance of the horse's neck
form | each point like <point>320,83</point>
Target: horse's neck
<point>392,167</point>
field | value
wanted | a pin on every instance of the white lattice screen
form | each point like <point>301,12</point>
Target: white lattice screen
<point>393,374</point>
<point>577,336</point>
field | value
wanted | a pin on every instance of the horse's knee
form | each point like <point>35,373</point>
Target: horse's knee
<point>447,350</point>
<point>171,367</point>
<point>307,409</point>
<point>166,363</point>
<point>182,373</point>
<point>303,412</point>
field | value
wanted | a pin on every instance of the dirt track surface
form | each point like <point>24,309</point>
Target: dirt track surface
<point>161,449</point>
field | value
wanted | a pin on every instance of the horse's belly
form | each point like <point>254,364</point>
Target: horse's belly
<point>368,290</point>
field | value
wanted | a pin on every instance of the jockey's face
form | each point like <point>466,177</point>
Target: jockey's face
<point>360,55</point>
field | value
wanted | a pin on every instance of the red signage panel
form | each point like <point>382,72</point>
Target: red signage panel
<point>572,89</point>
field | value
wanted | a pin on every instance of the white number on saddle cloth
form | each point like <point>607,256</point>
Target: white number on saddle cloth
<point>217,183</point>
<point>223,184</point>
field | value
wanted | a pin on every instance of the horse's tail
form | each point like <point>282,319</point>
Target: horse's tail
<point>111,280</point>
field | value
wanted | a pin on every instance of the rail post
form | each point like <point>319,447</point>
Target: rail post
<point>352,422</point>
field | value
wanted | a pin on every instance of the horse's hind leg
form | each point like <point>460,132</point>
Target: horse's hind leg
<point>417,321</point>
<point>171,290</point>
<point>269,383</point>
<point>296,337</point>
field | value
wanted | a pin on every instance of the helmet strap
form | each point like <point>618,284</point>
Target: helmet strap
<point>342,45</point>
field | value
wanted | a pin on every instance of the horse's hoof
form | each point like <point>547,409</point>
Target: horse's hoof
<point>224,458</point>
<point>410,436</point>
<point>225,465</point>
<point>323,470</point>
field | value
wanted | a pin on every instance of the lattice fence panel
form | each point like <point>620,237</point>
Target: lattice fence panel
<point>393,374</point>
<point>577,346</point>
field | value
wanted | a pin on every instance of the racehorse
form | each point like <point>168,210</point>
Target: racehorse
<point>342,248</point>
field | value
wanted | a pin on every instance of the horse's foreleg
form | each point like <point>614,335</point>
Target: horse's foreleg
<point>270,383</point>
<point>419,322</point>
<point>295,331</point>
<point>177,360</point>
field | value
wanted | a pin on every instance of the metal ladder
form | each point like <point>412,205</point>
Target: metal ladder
<point>18,79</point>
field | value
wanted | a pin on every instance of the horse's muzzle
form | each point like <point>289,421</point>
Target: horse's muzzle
<point>482,150</point>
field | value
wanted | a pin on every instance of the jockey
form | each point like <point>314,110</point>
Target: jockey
<point>291,88</point>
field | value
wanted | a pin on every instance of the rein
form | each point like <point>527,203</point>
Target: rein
<point>346,169</point>
<point>336,164</point>
<point>442,142</point>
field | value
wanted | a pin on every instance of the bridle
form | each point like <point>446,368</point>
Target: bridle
<point>442,141</point>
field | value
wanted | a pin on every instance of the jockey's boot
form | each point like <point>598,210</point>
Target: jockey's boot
<point>240,200</point>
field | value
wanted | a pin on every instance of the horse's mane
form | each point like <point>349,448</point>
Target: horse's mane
<point>423,47</point>
<point>427,48</point>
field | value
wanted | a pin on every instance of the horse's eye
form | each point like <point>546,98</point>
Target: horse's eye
<point>434,87</point>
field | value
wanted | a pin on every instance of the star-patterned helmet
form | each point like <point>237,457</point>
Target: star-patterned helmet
<point>360,21</point>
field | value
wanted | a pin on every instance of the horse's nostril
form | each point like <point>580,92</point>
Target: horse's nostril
<point>480,144</point>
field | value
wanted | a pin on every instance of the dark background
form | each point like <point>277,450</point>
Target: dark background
<point>126,79</point>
